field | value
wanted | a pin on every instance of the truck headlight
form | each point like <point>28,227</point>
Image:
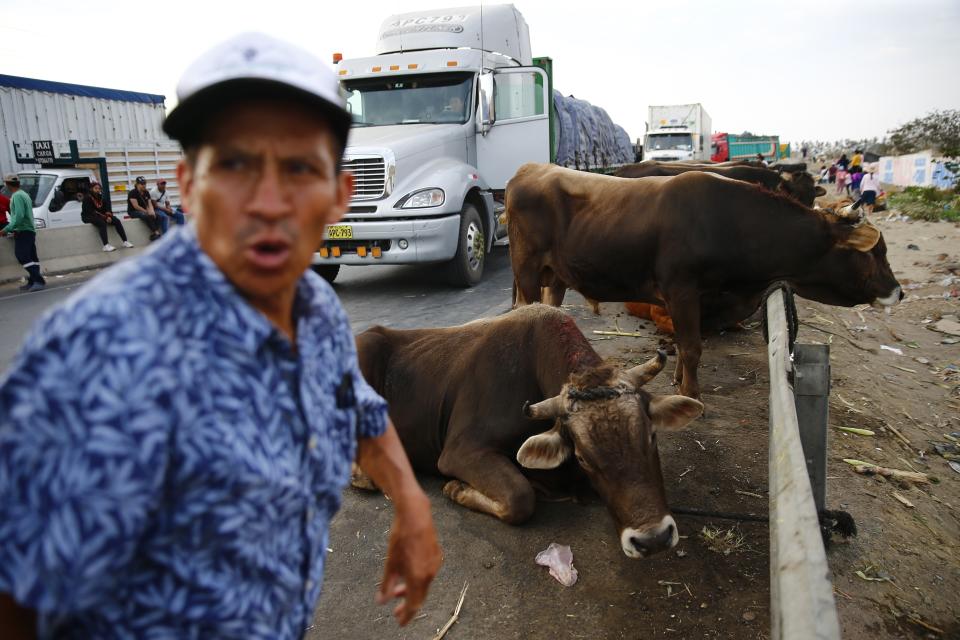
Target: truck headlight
<point>423,199</point>
<point>40,223</point>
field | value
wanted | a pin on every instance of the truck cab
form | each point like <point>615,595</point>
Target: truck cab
<point>57,195</point>
<point>669,144</point>
<point>444,114</point>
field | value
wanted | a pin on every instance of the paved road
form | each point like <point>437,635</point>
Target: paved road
<point>390,295</point>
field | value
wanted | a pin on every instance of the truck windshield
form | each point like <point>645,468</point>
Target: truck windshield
<point>437,98</point>
<point>662,141</point>
<point>37,186</point>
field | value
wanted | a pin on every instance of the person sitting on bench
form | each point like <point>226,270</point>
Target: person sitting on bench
<point>139,206</point>
<point>95,210</point>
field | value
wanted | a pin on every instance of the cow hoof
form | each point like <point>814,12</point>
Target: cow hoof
<point>452,489</point>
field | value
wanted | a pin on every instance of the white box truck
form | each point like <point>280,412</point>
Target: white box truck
<point>444,114</point>
<point>677,132</point>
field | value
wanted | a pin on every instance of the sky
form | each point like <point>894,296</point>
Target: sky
<point>804,70</point>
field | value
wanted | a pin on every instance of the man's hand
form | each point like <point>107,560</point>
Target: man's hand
<point>413,555</point>
<point>413,559</point>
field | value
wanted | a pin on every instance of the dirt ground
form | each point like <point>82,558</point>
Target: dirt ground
<point>907,548</point>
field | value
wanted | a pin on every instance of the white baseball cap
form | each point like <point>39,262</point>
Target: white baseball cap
<point>253,65</point>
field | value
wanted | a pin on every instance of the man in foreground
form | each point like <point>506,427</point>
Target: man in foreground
<point>184,485</point>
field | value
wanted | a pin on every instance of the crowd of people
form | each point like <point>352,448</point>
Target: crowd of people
<point>854,179</point>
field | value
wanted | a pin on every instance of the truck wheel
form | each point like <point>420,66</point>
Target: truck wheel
<point>328,271</point>
<point>466,268</point>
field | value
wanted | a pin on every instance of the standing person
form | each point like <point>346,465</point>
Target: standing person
<point>832,173</point>
<point>760,161</point>
<point>4,210</point>
<point>95,210</point>
<point>198,503</point>
<point>869,189</point>
<point>856,162</point>
<point>139,206</point>
<point>24,232</point>
<point>842,177</point>
<point>161,204</point>
<point>856,174</point>
<point>843,162</point>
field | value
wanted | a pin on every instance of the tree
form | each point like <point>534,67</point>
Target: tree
<point>939,130</point>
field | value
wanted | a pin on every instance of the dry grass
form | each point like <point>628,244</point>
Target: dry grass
<point>722,541</point>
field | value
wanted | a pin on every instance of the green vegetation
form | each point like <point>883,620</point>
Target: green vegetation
<point>939,130</point>
<point>927,203</point>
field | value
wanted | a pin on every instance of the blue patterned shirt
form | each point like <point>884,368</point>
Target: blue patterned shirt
<point>169,463</point>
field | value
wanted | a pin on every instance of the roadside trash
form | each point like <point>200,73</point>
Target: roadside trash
<point>559,559</point>
<point>949,327</point>
<point>922,360</point>
<point>749,616</point>
<point>902,500</point>
<point>954,465</point>
<point>949,280</point>
<point>895,350</point>
<point>877,576</point>
<point>859,432</point>
<point>947,450</point>
<point>913,247</point>
<point>950,341</point>
<point>870,469</point>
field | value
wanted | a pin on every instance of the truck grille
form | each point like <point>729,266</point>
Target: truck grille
<point>369,177</point>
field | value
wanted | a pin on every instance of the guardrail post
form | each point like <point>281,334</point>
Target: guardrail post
<point>811,390</point>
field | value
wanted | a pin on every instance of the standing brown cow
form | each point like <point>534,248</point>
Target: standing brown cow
<point>676,240</point>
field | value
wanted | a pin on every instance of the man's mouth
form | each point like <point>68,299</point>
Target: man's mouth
<point>269,254</point>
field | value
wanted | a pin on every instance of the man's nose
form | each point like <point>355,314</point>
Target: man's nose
<point>270,198</point>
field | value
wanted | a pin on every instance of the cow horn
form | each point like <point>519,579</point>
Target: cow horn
<point>544,410</point>
<point>850,214</point>
<point>644,373</point>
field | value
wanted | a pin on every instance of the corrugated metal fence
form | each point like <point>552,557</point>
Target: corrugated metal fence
<point>27,115</point>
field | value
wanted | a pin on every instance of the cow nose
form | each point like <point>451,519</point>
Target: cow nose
<point>639,544</point>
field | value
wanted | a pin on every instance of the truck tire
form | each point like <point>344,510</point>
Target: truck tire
<point>466,268</point>
<point>328,271</point>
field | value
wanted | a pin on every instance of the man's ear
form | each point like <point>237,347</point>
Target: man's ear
<point>672,413</point>
<point>547,450</point>
<point>344,192</point>
<point>185,174</point>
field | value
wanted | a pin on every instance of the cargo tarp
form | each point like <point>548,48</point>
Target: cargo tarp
<point>588,138</point>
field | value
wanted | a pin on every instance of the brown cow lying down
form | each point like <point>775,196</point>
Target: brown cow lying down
<point>470,402</point>
<point>799,185</point>
<point>696,242</point>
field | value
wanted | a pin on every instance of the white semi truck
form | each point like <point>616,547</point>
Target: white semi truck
<point>677,132</point>
<point>444,114</point>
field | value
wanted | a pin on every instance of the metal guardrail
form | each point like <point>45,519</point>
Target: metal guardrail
<point>802,606</point>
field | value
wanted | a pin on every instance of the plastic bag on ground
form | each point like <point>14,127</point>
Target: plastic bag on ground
<point>559,558</point>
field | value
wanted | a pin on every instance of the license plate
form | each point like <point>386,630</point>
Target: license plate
<point>340,232</point>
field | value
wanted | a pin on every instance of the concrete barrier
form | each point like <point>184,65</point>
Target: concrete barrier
<point>74,249</point>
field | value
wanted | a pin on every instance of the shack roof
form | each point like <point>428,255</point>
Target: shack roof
<point>50,86</point>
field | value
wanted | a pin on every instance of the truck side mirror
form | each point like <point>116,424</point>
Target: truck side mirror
<point>488,113</point>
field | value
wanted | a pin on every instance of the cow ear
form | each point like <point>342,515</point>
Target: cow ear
<point>547,450</point>
<point>672,413</point>
<point>862,237</point>
<point>820,191</point>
